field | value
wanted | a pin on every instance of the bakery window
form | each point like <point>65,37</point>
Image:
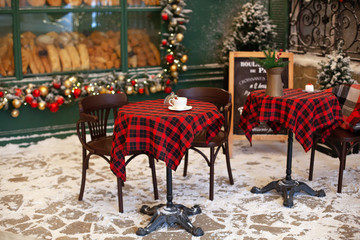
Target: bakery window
<point>74,36</point>
<point>7,67</point>
<point>57,42</point>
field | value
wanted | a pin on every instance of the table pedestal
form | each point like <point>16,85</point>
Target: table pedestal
<point>287,186</point>
<point>170,213</point>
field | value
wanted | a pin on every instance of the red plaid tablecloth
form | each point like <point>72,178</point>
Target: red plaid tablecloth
<point>301,112</point>
<point>150,126</point>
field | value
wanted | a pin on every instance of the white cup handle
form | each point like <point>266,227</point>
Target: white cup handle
<point>170,102</point>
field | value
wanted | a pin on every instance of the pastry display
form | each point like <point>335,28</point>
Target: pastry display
<point>36,3</point>
<point>6,55</point>
<point>73,51</point>
<point>54,3</point>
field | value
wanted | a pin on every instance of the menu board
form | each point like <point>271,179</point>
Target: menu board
<point>246,76</point>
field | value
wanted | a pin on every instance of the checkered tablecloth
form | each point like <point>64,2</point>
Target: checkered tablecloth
<point>301,112</point>
<point>150,126</point>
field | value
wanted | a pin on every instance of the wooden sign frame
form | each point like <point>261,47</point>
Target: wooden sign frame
<point>254,68</point>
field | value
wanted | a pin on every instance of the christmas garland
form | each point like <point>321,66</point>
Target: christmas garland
<point>66,89</point>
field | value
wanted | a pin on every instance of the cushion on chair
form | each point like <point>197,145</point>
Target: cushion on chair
<point>349,99</point>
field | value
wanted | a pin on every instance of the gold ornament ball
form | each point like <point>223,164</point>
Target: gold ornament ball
<point>158,87</point>
<point>173,68</point>
<point>172,42</point>
<point>102,90</point>
<point>179,37</point>
<point>184,58</point>
<point>176,80</point>
<point>16,103</point>
<point>42,105</point>
<point>175,74</point>
<point>153,89</point>
<point>28,91</point>
<point>184,68</point>
<point>178,10</point>
<point>1,105</point>
<point>73,79</point>
<point>67,83</point>
<point>67,92</point>
<point>174,7</point>
<point>43,91</point>
<point>129,90</point>
<point>15,113</point>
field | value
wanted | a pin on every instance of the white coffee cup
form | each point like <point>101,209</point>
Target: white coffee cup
<point>309,87</point>
<point>178,103</point>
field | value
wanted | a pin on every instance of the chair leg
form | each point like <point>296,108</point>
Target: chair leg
<point>186,160</point>
<point>153,172</point>
<point>85,165</point>
<point>227,155</point>
<point>212,162</point>
<point>342,165</point>
<point>120,196</point>
<point>312,157</point>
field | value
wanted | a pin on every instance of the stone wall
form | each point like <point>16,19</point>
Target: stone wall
<point>305,70</point>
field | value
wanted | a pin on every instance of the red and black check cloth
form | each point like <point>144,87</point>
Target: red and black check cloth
<point>150,126</point>
<point>301,112</point>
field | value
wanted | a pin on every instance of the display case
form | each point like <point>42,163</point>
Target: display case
<point>53,37</point>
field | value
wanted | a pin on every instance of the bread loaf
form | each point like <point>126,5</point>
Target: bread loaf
<point>38,63</point>
<point>25,59</point>
<point>73,2</point>
<point>64,60</point>
<point>54,3</point>
<point>84,56</point>
<point>74,55</point>
<point>36,3</point>
<point>2,5</point>
<point>54,58</point>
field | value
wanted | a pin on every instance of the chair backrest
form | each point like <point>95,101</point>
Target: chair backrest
<point>219,97</point>
<point>101,106</point>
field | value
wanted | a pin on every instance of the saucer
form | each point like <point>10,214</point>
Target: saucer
<point>186,108</point>
<point>315,91</point>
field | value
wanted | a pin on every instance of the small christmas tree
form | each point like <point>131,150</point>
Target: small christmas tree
<point>336,71</point>
<point>251,31</point>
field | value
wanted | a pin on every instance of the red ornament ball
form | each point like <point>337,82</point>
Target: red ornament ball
<point>133,82</point>
<point>36,93</point>
<point>165,17</point>
<point>164,42</point>
<point>1,93</point>
<point>60,100</point>
<point>170,58</point>
<point>28,98</point>
<point>167,90</point>
<point>34,104</point>
<point>53,107</point>
<point>77,92</point>
<point>141,90</point>
<point>18,92</point>
<point>56,85</point>
<point>168,81</point>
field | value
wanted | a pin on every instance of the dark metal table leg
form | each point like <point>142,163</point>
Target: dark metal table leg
<point>170,213</point>
<point>287,186</point>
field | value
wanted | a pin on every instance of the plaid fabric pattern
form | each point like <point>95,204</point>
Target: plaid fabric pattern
<point>150,126</point>
<point>301,112</point>
<point>349,99</point>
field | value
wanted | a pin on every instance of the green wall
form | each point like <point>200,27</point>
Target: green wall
<point>209,24</point>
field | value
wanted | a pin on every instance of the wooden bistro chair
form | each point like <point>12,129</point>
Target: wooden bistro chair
<point>221,99</point>
<point>94,116</point>
<point>346,137</point>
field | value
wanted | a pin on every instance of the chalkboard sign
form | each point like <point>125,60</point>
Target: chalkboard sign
<point>246,76</point>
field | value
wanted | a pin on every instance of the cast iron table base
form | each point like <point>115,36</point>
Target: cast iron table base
<point>170,213</point>
<point>287,186</point>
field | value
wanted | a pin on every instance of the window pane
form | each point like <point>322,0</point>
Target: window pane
<point>143,3</point>
<point>67,3</point>
<point>63,42</point>
<point>6,46</point>
<point>144,39</point>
